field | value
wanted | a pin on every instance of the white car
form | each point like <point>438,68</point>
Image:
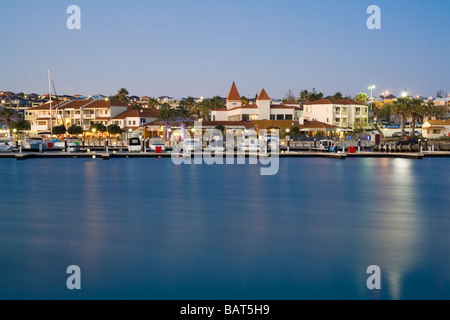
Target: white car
<point>157,142</point>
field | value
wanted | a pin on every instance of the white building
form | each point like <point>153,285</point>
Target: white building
<point>134,119</point>
<point>83,113</point>
<point>434,129</point>
<point>263,109</point>
<point>342,113</point>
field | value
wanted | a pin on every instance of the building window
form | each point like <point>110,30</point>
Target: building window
<point>338,119</point>
<point>280,116</point>
<point>254,117</point>
<point>308,109</point>
<point>214,118</point>
<point>272,117</point>
<point>436,131</point>
<point>245,117</point>
<point>288,117</point>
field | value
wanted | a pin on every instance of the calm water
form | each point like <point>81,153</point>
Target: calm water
<point>146,229</point>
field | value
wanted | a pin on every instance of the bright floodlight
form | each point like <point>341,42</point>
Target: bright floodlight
<point>404,94</point>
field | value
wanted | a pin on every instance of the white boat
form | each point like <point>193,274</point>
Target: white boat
<point>157,142</point>
<point>250,143</point>
<point>73,144</point>
<point>134,144</point>
<point>6,145</point>
<point>191,145</point>
<point>34,144</point>
<point>215,146</point>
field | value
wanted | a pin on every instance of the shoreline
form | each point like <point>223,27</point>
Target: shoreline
<point>292,154</point>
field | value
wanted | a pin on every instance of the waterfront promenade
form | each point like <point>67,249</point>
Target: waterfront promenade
<point>291,154</point>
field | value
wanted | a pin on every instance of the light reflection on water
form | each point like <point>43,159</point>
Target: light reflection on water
<point>149,229</point>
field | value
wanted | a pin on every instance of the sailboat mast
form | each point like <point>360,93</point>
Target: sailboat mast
<point>50,96</point>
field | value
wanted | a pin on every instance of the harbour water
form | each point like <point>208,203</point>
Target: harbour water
<point>147,229</point>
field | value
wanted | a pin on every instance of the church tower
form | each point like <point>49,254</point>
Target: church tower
<point>234,98</point>
<point>263,102</point>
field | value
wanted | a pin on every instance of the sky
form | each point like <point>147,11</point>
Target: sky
<point>199,47</point>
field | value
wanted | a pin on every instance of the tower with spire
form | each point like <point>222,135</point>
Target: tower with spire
<point>263,102</point>
<point>234,98</point>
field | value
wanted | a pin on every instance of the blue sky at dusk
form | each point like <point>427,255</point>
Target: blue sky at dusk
<point>200,47</point>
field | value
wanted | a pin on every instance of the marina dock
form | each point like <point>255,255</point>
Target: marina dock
<point>142,155</point>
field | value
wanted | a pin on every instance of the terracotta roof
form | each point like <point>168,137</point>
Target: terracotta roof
<point>143,113</point>
<point>438,122</point>
<point>247,106</point>
<point>292,102</point>
<point>283,106</point>
<point>263,95</point>
<point>128,128</point>
<point>75,104</point>
<point>234,95</point>
<point>318,125</point>
<point>220,109</point>
<point>106,104</point>
<point>246,124</point>
<point>321,101</point>
<point>45,106</point>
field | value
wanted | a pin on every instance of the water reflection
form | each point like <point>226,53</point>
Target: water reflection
<point>225,232</point>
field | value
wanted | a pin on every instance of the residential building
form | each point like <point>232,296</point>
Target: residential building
<point>82,113</point>
<point>134,119</point>
<point>433,129</point>
<point>343,113</point>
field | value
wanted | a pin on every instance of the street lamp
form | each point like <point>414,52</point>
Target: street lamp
<point>405,94</point>
<point>371,91</point>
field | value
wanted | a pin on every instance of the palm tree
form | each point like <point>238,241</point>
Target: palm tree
<point>304,96</point>
<point>122,96</point>
<point>152,103</point>
<point>401,107</point>
<point>362,98</point>
<point>416,108</point>
<point>7,116</point>
<point>338,96</point>
<point>244,100</point>
<point>166,117</point>
<point>181,117</point>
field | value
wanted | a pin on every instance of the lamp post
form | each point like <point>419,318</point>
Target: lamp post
<point>371,102</point>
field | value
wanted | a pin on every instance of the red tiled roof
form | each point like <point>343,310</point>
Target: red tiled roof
<point>247,106</point>
<point>318,125</point>
<point>234,95</point>
<point>45,106</point>
<point>75,104</point>
<point>220,109</point>
<point>263,95</point>
<point>143,113</point>
<point>283,106</point>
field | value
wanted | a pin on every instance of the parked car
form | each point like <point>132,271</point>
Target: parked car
<point>407,142</point>
<point>399,134</point>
